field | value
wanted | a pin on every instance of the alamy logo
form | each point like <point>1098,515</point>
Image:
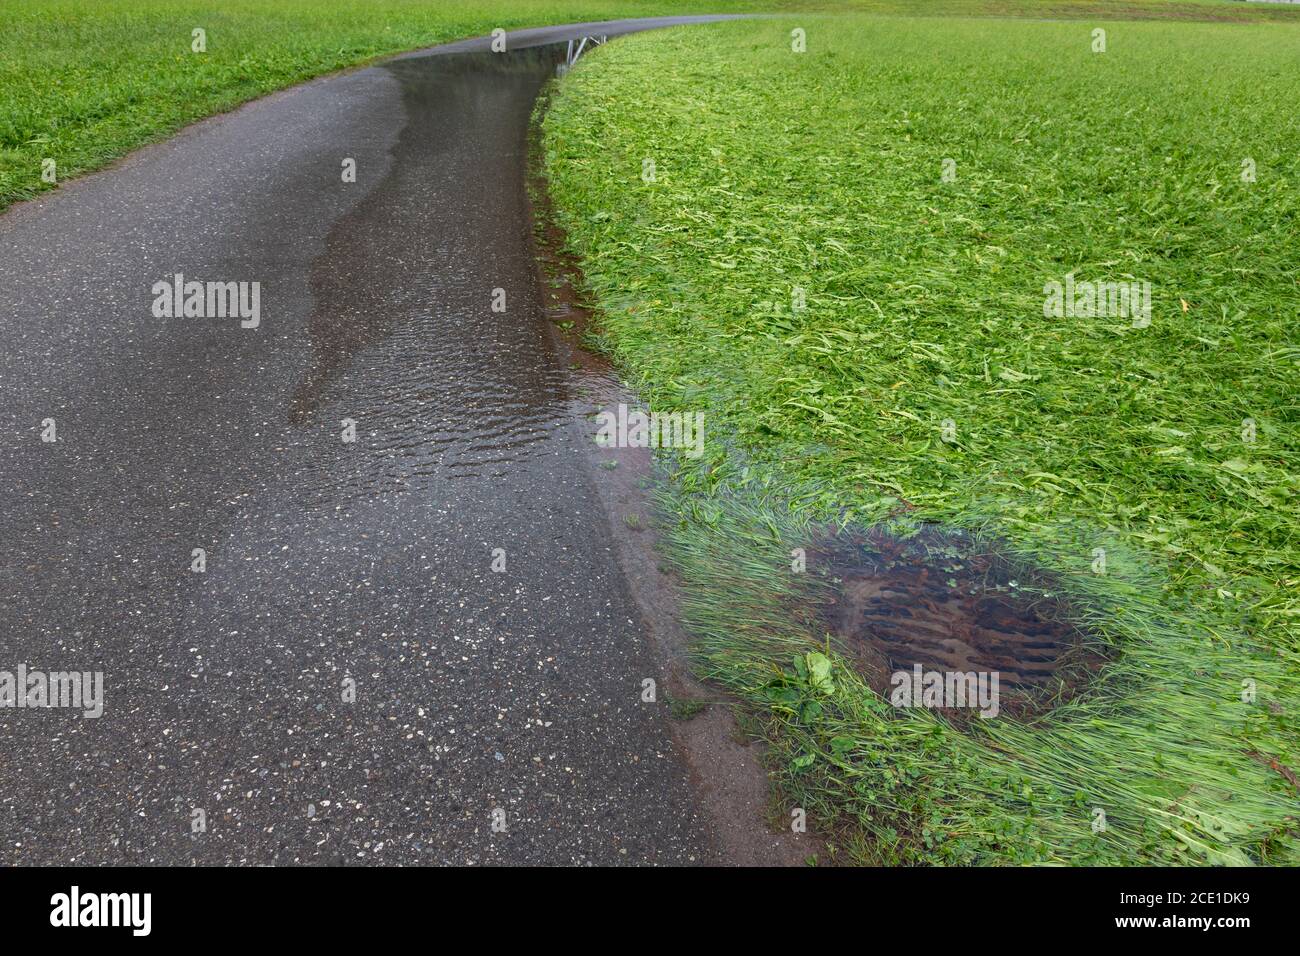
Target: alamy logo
<point>175,298</point>
<point>1084,300</point>
<point>82,691</point>
<point>946,689</point>
<point>638,429</point>
<point>103,909</point>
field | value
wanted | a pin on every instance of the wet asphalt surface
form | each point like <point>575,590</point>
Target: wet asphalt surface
<point>326,561</point>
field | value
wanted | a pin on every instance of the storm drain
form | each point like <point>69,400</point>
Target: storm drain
<point>945,603</point>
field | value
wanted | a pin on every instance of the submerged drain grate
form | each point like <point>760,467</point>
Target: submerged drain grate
<point>944,602</point>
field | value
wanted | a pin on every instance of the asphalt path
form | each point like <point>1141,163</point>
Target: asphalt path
<point>343,677</point>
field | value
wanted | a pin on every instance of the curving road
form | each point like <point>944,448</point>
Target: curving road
<point>225,736</point>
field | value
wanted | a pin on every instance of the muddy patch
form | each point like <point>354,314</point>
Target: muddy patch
<point>945,602</point>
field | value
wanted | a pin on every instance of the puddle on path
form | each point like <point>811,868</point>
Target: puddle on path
<point>404,335</point>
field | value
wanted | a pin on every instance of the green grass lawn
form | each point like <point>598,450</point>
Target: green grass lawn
<point>923,382</point>
<point>83,83</point>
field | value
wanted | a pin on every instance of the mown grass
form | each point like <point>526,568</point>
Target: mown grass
<point>84,83</point>
<point>924,305</point>
<point>1233,11</point>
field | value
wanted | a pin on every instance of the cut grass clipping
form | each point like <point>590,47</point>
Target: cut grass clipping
<point>842,257</point>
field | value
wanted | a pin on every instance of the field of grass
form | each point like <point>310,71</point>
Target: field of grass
<point>1234,11</point>
<point>84,83</point>
<point>922,381</point>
